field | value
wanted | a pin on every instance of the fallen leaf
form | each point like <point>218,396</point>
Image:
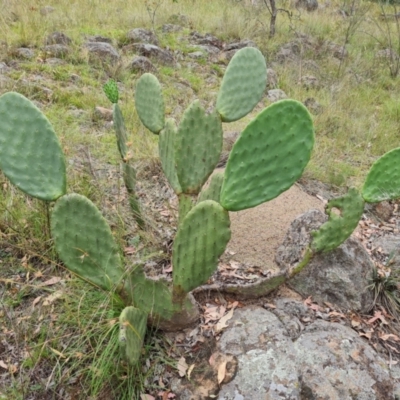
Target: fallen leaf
<point>3,364</point>
<point>147,397</point>
<point>182,367</point>
<point>35,301</point>
<point>223,322</point>
<point>58,353</point>
<point>221,372</point>
<point>389,336</point>
<point>129,250</point>
<point>53,297</point>
<point>51,281</point>
<point>190,370</point>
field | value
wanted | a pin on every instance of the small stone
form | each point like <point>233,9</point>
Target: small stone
<point>101,113</point>
<point>102,51</point>
<point>24,52</point>
<point>141,35</point>
<point>58,38</point>
<point>272,79</point>
<point>274,95</point>
<point>56,50</point>
<point>383,210</point>
<point>142,64</point>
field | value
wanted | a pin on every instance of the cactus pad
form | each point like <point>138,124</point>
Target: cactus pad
<point>120,132</point>
<point>201,239</point>
<point>198,145</point>
<point>269,156</point>
<point>85,243</point>
<point>150,103</point>
<point>383,179</point>
<point>243,84</point>
<point>339,227</point>
<point>30,153</point>
<point>213,190</point>
<point>132,328</point>
<point>111,91</point>
<point>166,145</point>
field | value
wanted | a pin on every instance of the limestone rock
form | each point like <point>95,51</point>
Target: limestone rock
<point>56,50</point>
<point>152,51</point>
<point>24,52</point>
<point>274,95</point>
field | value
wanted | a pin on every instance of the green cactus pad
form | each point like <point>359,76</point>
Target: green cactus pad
<point>111,91</point>
<point>129,175</point>
<point>212,191</point>
<point>85,243</point>
<point>186,203</point>
<point>339,227</point>
<point>383,179</point>
<point>269,156</point>
<point>166,146</point>
<point>30,153</point>
<point>198,145</point>
<point>132,328</point>
<point>201,239</point>
<point>243,84</point>
<point>120,132</point>
<point>149,103</point>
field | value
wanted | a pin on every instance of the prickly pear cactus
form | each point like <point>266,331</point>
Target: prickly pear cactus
<point>243,84</point>
<point>382,182</point>
<point>30,153</point>
<point>269,156</point>
<point>85,243</point>
<point>201,239</point>
<point>198,145</point>
<point>339,227</point>
<point>132,328</point>
<point>213,190</point>
<point>149,103</point>
<point>111,91</point>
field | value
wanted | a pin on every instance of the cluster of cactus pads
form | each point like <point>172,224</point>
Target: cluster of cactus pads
<point>269,156</point>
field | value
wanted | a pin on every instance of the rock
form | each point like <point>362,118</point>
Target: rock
<point>47,10</point>
<point>141,35</point>
<point>152,51</point>
<point>206,49</point>
<point>288,51</point>
<point>56,50</point>
<point>58,38</point>
<point>309,5</point>
<point>101,51</point>
<point>272,79</point>
<point>240,45</point>
<point>388,54</point>
<point>207,39</point>
<point>99,38</point>
<point>166,28</point>
<point>196,54</point>
<point>383,210</point>
<point>340,276</point>
<point>309,81</point>
<point>24,52</point>
<point>142,64</point>
<point>337,51</point>
<point>313,106</point>
<point>322,361</point>
<point>101,113</point>
<point>274,95</point>
<point>4,68</point>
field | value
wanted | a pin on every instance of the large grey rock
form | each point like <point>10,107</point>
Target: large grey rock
<point>24,52</point>
<point>339,276</point>
<point>56,50</point>
<point>101,51</point>
<point>141,35</point>
<point>155,52</point>
<point>323,361</point>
